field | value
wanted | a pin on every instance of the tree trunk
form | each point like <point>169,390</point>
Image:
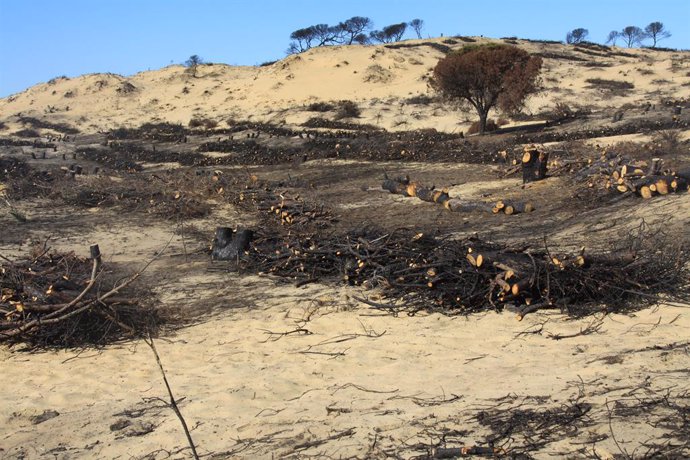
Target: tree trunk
<point>534,165</point>
<point>483,115</point>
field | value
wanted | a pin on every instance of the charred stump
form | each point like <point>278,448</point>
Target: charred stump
<point>534,165</point>
<point>229,244</point>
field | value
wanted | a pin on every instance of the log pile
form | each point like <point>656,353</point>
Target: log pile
<point>646,179</point>
<point>418,272</point>
<point>405,187</point>
<point>57,300</point>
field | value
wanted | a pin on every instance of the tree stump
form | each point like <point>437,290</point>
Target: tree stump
<point>534,165</point>
<point>229,245</point>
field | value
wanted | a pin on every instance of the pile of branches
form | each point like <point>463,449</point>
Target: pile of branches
<point>170,195</point>
<point>419,272</point>
<point>22,181</point>
<point>53,299</point>
<point>163,132</point>
<point>277,205</point>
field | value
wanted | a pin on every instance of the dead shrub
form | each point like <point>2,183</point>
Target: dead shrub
<point>616,87</point>
<point>320,107</point>
<point>205,123</point>
<point>347,109</point>
<point>28,132</point>
<point>667,142</point>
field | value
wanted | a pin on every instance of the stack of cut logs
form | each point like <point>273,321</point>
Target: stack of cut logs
<point>403,186</point>
<point>647,179</point>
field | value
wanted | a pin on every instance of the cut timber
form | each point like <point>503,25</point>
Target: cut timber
<point>534,165</point>
<point>655,166</point>
<point>394,186</point>
<point>662,186</point>
<point>458,205</point>
<point>679,184</point>
<point>517,207</point>
<point>645,192</point>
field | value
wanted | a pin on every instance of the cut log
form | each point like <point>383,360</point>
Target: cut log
<point>394,186</point>
<point>679,184</point>
<point>655,167</point>
<point>517,207</point>
<point>645,192</point>
<point>458,205</point>
<point>662,186</point>
<point>684,174</point>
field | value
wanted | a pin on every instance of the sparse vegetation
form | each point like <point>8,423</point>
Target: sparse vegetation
<point>28,132</point>
<point>320,107</point>
<point>576,36</point>
<point>347,109</point>
<point>389,34</point>
<point>193,64</point>
<point>43,124</point>
<point>615,86</point>
<point>205,123</point>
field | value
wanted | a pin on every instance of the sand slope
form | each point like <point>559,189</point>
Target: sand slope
<point>380,79</point>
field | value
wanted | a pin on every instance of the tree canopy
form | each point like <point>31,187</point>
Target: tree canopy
<point>488,76</point>
<point>576,36</point>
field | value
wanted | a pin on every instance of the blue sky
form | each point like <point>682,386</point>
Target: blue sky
<point>42,39</point>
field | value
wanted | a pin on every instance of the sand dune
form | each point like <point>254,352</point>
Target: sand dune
<point>380,79</point>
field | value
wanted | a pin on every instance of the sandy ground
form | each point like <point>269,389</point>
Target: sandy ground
<point>276,371</point>
<point>394,385</point>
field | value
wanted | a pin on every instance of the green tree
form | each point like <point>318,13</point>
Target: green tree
<point>488,76</point>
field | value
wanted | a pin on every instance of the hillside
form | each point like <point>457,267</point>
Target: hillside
<point>387,82</point>
<point>318,287</point>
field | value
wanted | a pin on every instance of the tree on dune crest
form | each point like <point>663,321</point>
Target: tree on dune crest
<point>656,32</point>
<point>193,63</point>
<point>576,36</point>
<point>488,76</point>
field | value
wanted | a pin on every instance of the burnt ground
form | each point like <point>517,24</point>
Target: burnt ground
<point>155,182</point>
<point>343,170</point>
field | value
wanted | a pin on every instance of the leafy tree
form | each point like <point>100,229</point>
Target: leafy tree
<point>632,35</point>
<point>392,33</point>
<point>576,36</point>
<point>656,32</point>
<point>486,77</point>
<point>193,63</point>
<point>316,35</point>
<point>614,35</point>
<point>301,40</point>
<point>353,30</point>
<point>417,25</point>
